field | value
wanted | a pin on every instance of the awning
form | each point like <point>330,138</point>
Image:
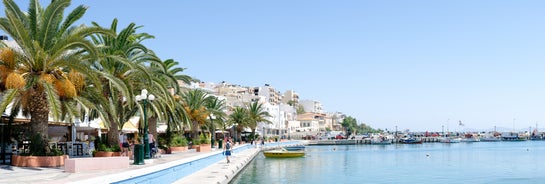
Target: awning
<point>131,125</point>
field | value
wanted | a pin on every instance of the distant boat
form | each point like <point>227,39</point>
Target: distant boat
<point>450,140</point>
<point>381,140</point>
<point>410,140</point>
<point>470,138</point>
<point>283,153</point>
<point>490,139</point>
<point>511,136</point>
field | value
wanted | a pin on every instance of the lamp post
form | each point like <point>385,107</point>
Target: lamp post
<point>213,131</point>
<point>145,98</point>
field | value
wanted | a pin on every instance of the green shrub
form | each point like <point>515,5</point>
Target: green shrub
<point>178,140</point>
<point>204,139</point>
<point>103,146</point>
<point>196,141</point>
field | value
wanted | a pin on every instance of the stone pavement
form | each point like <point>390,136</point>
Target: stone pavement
<point>11,174</point>
<point>217,172</point>
<point>222,172</point>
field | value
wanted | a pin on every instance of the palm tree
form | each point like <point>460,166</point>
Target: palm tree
<point>256,114</point>
<point>167,74</point>
<point>216,108</point>
<point>240,119</point>
<point>194,102</point>
<point>49,49</point>
<point>122,73</point>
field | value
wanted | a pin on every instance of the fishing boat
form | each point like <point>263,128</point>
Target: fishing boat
<point>450,140</point>
<point>283,153</point>
<point>491,137</point>
<point>471,138</point>
<point>410,140</point>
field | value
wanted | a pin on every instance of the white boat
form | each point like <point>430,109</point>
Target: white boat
<point>450,140</point>
<point>381,140</point>
<point>470,138</point>
<point>490,139</point>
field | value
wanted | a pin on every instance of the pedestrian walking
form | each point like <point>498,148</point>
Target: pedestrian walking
<point>227,150</point>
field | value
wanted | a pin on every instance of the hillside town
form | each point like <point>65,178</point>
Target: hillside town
<point>290,116</point>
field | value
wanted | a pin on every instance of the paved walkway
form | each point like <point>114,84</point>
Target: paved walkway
<point>11,174</point>
<point>221,172</point>
<point>217,172</point>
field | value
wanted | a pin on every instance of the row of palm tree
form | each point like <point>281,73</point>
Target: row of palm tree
<point>66,71</point>
<point>248,117</point>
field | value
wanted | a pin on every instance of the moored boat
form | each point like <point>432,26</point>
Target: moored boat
<point>471,138</point>
<point>381,140</point>
<point>295,148</point>
<point>450,140</point>
<point>490,139</point>
<point>410,140</point>
<point>283,153</point>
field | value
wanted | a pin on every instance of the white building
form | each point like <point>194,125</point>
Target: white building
<point>312,106</point>
<point>290,97</point>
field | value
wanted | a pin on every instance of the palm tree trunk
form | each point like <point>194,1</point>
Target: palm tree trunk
<point>39,114</point>
<point>113,133</point>
<point>194,129</point>
<point>253,134</point>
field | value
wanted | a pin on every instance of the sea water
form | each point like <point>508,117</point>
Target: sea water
<point>478,162</point>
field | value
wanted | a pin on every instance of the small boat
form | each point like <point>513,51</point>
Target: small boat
<point>490,139</point>
<point>283,153</point>
<point>295,148</point>
<point>381,141</point>
<point>511,136</point>
<point>471,138</point>
<point>450,140</point>
<point>410,140</point>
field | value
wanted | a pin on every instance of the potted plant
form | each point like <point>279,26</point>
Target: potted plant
<point>103,150</point>
<point>38,156</point>
<point>178,143</point>
<point>204,143</point>
<point>195,142</point>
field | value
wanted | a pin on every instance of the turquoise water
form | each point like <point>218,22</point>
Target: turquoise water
<point>481,162</point>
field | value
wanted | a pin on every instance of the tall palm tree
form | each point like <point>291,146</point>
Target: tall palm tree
<point>240,119</point>
<point>216,108</point>
<point>194,102</point>
<point>167,75</point>
<point>256,114</point>
<point>121,71</point>
<point>49,49</point>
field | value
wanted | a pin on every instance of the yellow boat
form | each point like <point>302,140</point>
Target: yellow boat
<point>283,153</point>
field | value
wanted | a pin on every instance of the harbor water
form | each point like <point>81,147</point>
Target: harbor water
<point>479,162</point>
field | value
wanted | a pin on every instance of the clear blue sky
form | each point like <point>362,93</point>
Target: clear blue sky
<point>415,64</point>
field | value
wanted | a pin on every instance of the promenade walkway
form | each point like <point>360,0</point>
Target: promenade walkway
<point>10,174</point>
<point>184,167</point>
